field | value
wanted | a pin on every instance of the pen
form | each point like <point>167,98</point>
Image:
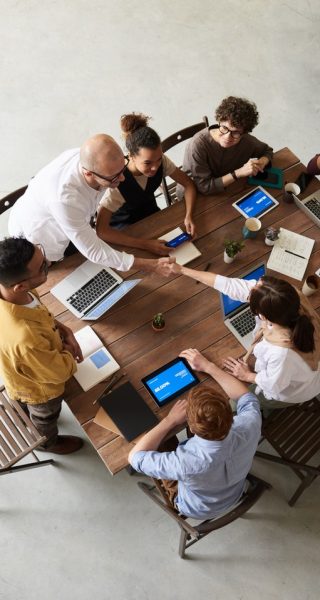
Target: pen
<point>207,267</point>
<point>114,379</point>
<point>294,254</point>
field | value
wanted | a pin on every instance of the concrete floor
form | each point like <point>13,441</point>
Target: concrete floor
<point>68,70</point>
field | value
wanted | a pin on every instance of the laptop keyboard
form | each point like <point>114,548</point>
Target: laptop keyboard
<point>92,290</point>
<point>244,323</point>
<point>314,206</point>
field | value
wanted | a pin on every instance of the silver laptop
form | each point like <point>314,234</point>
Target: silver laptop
<point>310,206</point>
<point>237,315</point>
<point>91,290</point>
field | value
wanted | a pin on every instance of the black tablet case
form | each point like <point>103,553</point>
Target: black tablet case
<point>128,411</point>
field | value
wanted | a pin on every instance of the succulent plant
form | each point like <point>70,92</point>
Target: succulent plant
<point>272,233</point>
<point>158,321</point>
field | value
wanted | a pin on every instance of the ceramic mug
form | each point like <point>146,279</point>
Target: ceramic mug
<point>251,228</point>
<point>311,285</point>
<point>289,190</point>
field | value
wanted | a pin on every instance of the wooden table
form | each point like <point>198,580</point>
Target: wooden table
<point>192,311</point>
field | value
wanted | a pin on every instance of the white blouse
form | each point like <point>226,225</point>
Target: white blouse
<point>282,374</point>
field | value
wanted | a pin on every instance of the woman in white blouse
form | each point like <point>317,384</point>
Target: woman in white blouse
<point>133,198</point>
<point>287,341</point>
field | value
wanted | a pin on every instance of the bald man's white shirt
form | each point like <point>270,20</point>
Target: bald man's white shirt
<point>57,207</point>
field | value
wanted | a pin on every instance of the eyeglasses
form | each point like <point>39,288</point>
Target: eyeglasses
<point>115,177</point>
<point>44,267</point>
<point>236,135</point>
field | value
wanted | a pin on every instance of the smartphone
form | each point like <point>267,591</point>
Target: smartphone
<point>183,237</point>
<point>304,180</point>
<point>267,177</point>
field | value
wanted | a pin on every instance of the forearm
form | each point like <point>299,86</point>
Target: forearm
<point>153,439</point>
<point>190,195</point>
<point>115,236</point>
<point>202,276</point>
<point>232,386</point>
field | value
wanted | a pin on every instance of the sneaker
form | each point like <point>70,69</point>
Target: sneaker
<point>65,444</point>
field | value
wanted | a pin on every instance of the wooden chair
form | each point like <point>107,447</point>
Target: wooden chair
<point>18,437</point>
<point>294,433</point>
<point>191,534</point>
<point>169,190</point>
<point>9,200</point>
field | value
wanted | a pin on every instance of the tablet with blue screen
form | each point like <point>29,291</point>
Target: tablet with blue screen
<point>170,381</point>
<point>255,203</point>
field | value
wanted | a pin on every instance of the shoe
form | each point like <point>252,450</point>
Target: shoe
<point>65,444</point>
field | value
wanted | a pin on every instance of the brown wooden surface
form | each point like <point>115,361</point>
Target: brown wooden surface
<point>192,311</point>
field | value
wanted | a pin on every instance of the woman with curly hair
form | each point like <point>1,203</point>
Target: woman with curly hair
<point>225,152</point>
<point>286,347</point>
<point>133,199</point>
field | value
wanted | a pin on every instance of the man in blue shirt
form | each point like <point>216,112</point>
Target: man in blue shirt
<point>211,467</point>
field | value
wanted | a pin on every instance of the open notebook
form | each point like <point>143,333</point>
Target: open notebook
<point>290,254</point>
<point>98,363</point>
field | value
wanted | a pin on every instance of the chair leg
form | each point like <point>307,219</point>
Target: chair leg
<point>308,479</point>
<point>182,543</point>
<point>28,466</point>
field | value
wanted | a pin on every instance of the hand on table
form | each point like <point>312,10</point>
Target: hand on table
<point>177,415</point>
<point>190,226</point>
<point>238,368</point>
<point>195,359</point>
<point>157,247</point>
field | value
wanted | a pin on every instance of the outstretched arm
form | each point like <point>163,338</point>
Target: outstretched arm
<point>232,386</point>
<point>117,236</point>
<point>153,439</point>
<point>190,195</point>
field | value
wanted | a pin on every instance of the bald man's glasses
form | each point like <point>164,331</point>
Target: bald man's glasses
<point>115,177</point>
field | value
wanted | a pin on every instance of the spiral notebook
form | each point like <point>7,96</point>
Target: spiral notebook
<point>290,254</point>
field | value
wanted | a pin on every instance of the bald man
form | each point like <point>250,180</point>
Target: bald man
<point>61,199</point>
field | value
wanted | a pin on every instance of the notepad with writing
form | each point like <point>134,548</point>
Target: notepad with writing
<point>184,253</point>
<point>128,411</point>
<point>98,363</point>
<point>290,254</point>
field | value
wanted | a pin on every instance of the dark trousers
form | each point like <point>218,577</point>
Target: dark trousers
<point>45,419</point>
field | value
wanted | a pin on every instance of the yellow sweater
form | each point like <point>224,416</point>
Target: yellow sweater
<point>33,364</point>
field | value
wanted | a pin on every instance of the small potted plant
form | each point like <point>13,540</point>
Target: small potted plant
<point>158,322</point>
<point>271,235</point>
<point>232,247</point>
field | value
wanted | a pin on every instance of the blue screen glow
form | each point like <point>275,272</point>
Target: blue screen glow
<point>256,203</point>
<point>170,381</point>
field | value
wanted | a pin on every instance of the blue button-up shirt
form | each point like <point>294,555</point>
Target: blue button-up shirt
<point>211,474</point>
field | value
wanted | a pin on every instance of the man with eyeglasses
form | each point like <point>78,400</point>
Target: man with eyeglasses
<point>223,153</point>
<point>62,198</point>
<point>37,353</point>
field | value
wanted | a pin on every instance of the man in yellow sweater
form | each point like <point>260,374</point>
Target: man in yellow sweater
<point>37,354</point>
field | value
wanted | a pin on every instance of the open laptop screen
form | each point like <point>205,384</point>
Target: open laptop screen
<point>230,305</point>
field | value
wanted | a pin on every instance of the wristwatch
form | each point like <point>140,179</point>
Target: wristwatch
<point>232,173</point>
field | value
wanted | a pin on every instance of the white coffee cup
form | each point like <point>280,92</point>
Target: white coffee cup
<point>289,190</point>
<point>311,285</point>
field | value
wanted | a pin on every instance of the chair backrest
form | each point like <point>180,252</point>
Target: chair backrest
<point>183,134</point>
<point>18,435</point>
<point>294,432</point>
<point>9,200</point>
<point>190,534</point>
<point>169,190</point>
